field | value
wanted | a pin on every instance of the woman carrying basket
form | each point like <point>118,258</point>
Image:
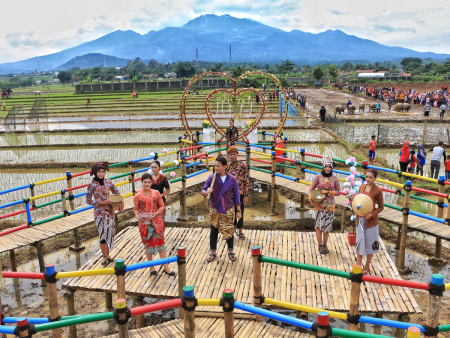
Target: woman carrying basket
<point>97,194</point>
<point>328,185</point>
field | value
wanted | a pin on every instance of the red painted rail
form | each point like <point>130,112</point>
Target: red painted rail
<point>190,148</point>
<point>168,304</point>
<point>77,187</point>
<point>313,155</point>
<point>23,275</point>
<point>15,213</point>
<point>286,159</point>
<point>396,282</point>
<point>8,231</point>
<point>196,156</point>
<point>425,191</point>
<point>262,161</point>
<point>81,174</point>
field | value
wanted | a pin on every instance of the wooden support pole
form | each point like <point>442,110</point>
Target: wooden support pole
<point>228,307</point>
<point>139,301</point>
<point>440,214</point>
<point>273,187</point>
<point>70,299</point>
<point>323,322</point>
<point>133,183</point>
<point>196,152</point>
<point>434,302</point>
<point>108,300</point>
<point>247,158</point>
<point>189,317</point>
<point>33,193</point>
<point>344,218</point>
<point>264,140</point>
<point>404,227</point>
<point>70,185</point>
<point>354,297</point>
<point>181,276</point>
<point>121,307</point>
<point>180,145</point>
<point>64,203</point>
<point>40,254</point>
<point>120,263</point>
<point>257,279</point>
<point>12,258</point>
<point>183,208</point>
<point>53,299</point>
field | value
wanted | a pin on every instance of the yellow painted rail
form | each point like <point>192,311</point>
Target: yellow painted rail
<point>96,272</point>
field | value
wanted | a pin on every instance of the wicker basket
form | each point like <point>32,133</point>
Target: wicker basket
<point>116,201</point>
<point>317,196</point>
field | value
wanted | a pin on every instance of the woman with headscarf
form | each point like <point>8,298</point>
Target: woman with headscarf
<point>327,184</point>
<point>97,194</point>
<point>404,154</point>
<point>422,158</point>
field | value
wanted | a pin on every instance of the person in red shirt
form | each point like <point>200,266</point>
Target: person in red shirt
<point>412,164</point>
<point>372,149</point>
<point>447,168</point>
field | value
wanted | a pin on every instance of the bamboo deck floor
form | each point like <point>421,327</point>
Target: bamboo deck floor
<point>281,283</point>
<point>57,227</point>
<point>214,327</point>
<point>415,223</point>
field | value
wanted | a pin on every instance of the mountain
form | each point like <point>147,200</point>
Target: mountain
<point>92,60</point>
<point>250,41</point>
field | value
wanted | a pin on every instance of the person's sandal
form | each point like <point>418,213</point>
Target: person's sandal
<point>326,249</point>
<point>105,263</point>
<point>367,270</point>
<point>110,260</point>
<point>322,249</point>
<point>172,274</point>
<point>231,255</point>
<point>242,236</point>
<point>210,258</point>
<point>153,273</point>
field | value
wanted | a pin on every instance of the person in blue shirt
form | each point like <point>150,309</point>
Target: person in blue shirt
<point>378,106</point>
<point>422,158</point>
<point>349,103</point>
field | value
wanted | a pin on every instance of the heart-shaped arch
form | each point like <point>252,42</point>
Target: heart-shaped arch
<point>184,120</point>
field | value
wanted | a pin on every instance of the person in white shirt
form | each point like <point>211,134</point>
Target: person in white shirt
<point>443,108</point>
<point>438,152</point>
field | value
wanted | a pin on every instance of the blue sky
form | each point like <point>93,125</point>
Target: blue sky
<point>48,26</point>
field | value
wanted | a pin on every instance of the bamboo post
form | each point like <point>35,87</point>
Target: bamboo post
<point>33,193</point>
<point>70,300</point>
<point>40,254</point>
<point>264,140</point>
<point>272,188</point>
<point>64,203</point>
<point>12,259</point>
<point>323,324</point>
<point>181,276</point>
<point>257,280</point>
<point>413,332</point>
<point>139,301</point>
<point>434,301</point>
<point>404,233</point>
<point>189,318</point>
<point>53,299</point>
<point>108,300</point>
<point>247,158</point>
<point>133,183</point>
<point>183,212</point>
<point>195,153</point>
<point>344,217</point>
<point>69,185</point>
<point>302,197</point>
<point>440,214</point>
<point>228,307</point>
<point>120,263</point>
<point>218,147</point>
<point>180,145</point>
<point>121,308</point>
<point>354,296</point>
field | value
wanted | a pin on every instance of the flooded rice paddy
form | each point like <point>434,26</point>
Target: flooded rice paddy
<point>392,133</point>
<point>35,139</point>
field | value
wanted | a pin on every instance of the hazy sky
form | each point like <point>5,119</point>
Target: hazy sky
<point>41,27</point>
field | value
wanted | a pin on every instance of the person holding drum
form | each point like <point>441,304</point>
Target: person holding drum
<point>321,195</point>
<point>367,231</point>
<point>97,194</point>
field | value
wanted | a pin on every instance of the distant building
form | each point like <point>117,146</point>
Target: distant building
<point>345,73</point>
<point>149,76</point>
<point>76,79</point>
<point>171,75</point>
<point>363,71</point>
<point>228,73</point>
<point>383,71</point>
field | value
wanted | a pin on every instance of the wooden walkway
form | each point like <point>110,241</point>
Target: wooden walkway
<point>214,327</point>
<point>419,224</point>
<point>57,227</point>
<point>281,283</point>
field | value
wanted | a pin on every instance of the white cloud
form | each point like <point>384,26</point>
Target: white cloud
<point>48,26</point>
